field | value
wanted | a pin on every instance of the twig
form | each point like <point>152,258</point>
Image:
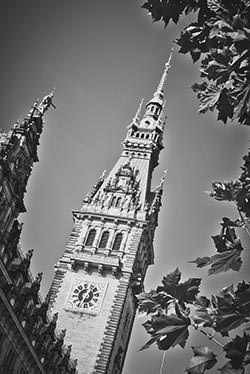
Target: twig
<point>210,337</point>
<point>162,361</point>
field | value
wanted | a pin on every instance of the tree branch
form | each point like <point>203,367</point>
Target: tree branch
<point>209,336</point>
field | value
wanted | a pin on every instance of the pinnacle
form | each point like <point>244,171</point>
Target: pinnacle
<point>160,89</point>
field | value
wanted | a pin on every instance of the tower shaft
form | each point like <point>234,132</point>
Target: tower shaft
<point>109,250</point>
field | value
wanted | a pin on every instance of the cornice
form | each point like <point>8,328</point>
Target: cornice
<point>82,214</point>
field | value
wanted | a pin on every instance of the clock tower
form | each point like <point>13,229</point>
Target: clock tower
<point>110,247</point>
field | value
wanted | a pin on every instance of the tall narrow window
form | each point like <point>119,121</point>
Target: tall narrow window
<point>113,201</point>
<point>118,202</point>
<point>117,242</point>
<point>104,240</point>
<point>91,237</point>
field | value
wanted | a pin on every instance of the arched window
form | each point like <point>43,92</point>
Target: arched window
<point>142,136</point>
<point>137,135</point>
<point>113,201</point>
<point>117,242</point>
<point>118,202</point>
<point>104,239</point>
<point>147,136</point>
<point>91,237</point>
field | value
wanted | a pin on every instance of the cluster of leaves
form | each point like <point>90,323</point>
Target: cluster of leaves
<point>175,306</point>
<point>227,244</point>
<point>220,37</point>
<point>229,248</point>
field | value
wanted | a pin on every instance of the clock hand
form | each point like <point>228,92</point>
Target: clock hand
<point>87,295</point>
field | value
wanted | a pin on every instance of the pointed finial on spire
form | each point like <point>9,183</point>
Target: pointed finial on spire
<point>160,89</point>
<point>163,179</point>
<point>137,115</point>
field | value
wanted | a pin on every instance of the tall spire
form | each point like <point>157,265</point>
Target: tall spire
<point>159,93</point>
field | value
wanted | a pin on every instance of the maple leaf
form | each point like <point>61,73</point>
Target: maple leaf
<point>225,261</point>
<point>214,96</point>
<point>228,260</point>
<point>229,250</point>
<point>218,72</point>
<point>167,331</point>
<point>153,301</point>
<point>220,243</point>
<point>227,222</point>
<point>207,94</point>
<point>204,314</point>
<point>224,105</point>
<point>169,9</point>
<point>232,307</point>
<point>237,351</point>
<point>203,359</point>
<point>201,261</point>
<point>242,95</point>
<point>226,191</point>
<point>242,297</point>
<point>183,292</point>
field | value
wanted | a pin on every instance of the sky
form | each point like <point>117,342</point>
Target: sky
<point>103,57</point>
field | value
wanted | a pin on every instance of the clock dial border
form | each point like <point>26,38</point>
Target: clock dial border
<point>93,289</point>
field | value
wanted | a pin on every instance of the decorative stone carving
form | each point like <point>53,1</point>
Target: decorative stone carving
<point>46,103</point>
<point>86,266</point>
<point>100,269</point>
<point>96,187</point>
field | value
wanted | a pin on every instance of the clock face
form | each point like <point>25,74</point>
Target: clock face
<point>86,296</point>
